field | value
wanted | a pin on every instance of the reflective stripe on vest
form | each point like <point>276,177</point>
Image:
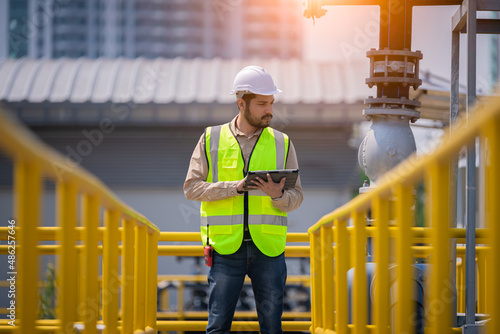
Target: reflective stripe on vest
<point>225,218</point>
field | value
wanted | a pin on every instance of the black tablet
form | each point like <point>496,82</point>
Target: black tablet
<point>276,175</point>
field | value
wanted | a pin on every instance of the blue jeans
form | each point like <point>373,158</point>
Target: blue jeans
<point>226,276</point>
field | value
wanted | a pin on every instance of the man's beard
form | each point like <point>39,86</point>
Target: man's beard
<point>259,123</point>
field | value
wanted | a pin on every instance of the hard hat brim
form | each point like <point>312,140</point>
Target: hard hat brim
<point>276,91</point>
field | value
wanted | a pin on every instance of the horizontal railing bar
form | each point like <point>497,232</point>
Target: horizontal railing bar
<point>203,278</point>
<point>297,237</point>
<point>290,326</point>
<point>174,325</point>
<point>200,325</point>
<point>180,236</point>
<point>237,314</point>
<point>163,250</point>
<point>423,232</point>
<point>196,237</point>
<point>188,278</point>
<point>47,233</point>
<point>290,251</point>
<point>191,325</point>
<point>372,329</point>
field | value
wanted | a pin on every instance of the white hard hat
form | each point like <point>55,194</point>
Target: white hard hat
<point>254,79</point>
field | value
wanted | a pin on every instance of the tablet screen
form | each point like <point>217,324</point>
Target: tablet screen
<point>276,175</point>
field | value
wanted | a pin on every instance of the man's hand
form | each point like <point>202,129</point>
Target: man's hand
<point>271,188</point>
<point>241,186</point>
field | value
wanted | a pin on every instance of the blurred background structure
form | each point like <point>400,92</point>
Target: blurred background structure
<point>151,28</point>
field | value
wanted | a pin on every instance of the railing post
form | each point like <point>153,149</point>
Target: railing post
<point>481,291</point>
<point>80,263</point>
<point>492,191</point>
<point>181,289</point>
<point>140,278</point>
<point>440,296</point>
<point>360,293</point>
<point>152,282</point>
<point>27,190</point>
<point>460,284</point>
<point>164,298</point>
<point>127,313</point>
<point>316,294</point>
<point>381,307</point>
<point>341,268</point>
<point>66,269</point>
<point>326,235</point>
<point>110,276</point>
<point>404,271</point>
<point>90,219</point>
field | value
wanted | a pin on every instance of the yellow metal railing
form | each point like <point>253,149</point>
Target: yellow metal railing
<point>188,244</point>
<point>83,203</point>
<point>480,280</point>
<point>397,242</point>
<point>180,285</point>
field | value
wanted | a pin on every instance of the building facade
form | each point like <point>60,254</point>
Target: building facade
<point>150,28</point>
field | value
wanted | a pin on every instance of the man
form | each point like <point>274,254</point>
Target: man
<point>247,229</point>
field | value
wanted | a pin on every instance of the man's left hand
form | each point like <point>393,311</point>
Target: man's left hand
<point>271,188</point>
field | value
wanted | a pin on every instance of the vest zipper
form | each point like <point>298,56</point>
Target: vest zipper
<point>246,229</point>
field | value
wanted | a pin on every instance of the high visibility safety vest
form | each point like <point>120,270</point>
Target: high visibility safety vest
<point>225,218</point>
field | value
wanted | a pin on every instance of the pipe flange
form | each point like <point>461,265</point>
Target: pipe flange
<point>411,113</point>
<point>414,82</point>
<point>402,53</point>
<point>382,101</point>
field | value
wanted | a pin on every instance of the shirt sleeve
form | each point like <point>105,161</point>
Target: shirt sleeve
<point>196,187</point>
<point>292,198</point>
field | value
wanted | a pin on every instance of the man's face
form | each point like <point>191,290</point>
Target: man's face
<point>259,111</point>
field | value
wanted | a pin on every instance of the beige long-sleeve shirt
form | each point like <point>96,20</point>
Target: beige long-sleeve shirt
<point>197,189</point>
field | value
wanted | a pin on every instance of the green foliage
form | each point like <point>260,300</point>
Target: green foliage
<point>420,206</point>
<point>47,295</point>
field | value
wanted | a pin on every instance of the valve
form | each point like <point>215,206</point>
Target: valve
<point>313,9</point>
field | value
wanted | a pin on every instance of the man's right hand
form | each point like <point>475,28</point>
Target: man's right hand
<point>241,186</point>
